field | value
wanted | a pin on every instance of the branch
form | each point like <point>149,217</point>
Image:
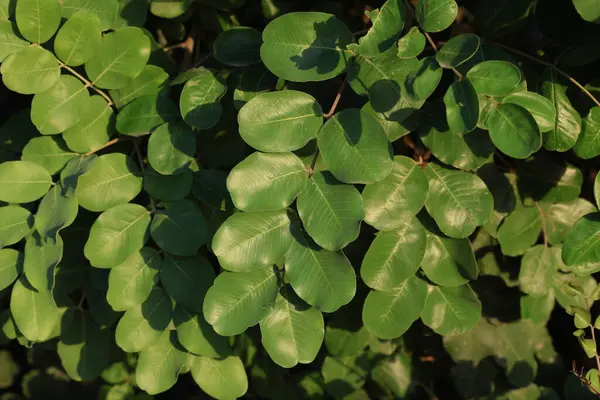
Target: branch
<point>87,83</point>
<point>108,144</point>
<point>311,169</point>
<point>337,100</point>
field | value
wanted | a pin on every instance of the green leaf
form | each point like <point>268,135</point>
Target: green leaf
<point>117,234</point>
<point>324,279</point>
<point>179,228</point>
<point>280,121</point>
<point>560,217</point>
<point>84,347</point>
<point>539,107</point>
<point>50,152</point>
<point>538,266</point>
<point>41,258</point>
<point>458,50</point>
<point>394,256</point>
<point>387,23</point>
<point>168,187</point>
<point>38,20</point>
<point>389,314</point>
<point>253,81</point>
<point>247,241</point>
<point>514,131</point>
<point>423,80</point>
<point>393,201</point>
<point>131,282</point>
<point>495,78</point>
<point>549,179</point>
<point>17,131</point>
<point>567,124</point>
<point>412,44</point>
<point>588,9</point>
<point>436,15</point>
<point>503,16</point>
<point>146,113</point>
<point>113,180</point>
<point>462,107</point>
<point>171,148</point>
<point>10,39</point>
<point>581,246</point>
<point>197,335</point>
<point>588,144</point>
<point>169,8</point>
<point>55,212</point>
<point>537,309</point>
<point>33,311</point>
<point>344,375</point>
<point>221,379</point>
<point>151,81</point>
<point>94,129</point>
<point>355,147</point>
<point>121,57</point>
<point>11,265</point>
<point>306,46</point>
<point>331,211</point>
<point>23,181</point>
<point>15,224</point>
<point>238,47</point>
<point>237,301</point>
<point>160,363</point>
<point>341,341</point>
<point>29,71</point>
<point>106,10</point>
<point>78,38</point>
<point>293,331</point>
<point>394,374</point>
<point>142,325</point>
<point>59,108</point>
<point>519,231</point>
<point>458,201</point>
<point>199,102</point>
<point>265,181</point>
<point>187,280</point>
<point>69,176</point>
<point>451,310</point>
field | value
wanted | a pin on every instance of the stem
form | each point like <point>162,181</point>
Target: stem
<point>337,99</point>
<point>311,170</point>
<point>547,64</point>
<point>544,229</point>
<point>596,352</point>
<point>108,144</point>
<point>87,83</point>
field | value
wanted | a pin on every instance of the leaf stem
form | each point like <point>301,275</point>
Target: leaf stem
<point>337,99</point>
<point>549,65</point>
<point>108,144</point>
<point>544,228</point>
<point>311,169</point>
<point>87,83</point>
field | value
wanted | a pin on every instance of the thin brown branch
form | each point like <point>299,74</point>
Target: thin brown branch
<point>86,82</point>
<point>596,352</point>
<point>549,65</point>
<point>311,169</point>
<point>108,144</point>
<point>338,97</point>
<point>544,228</point>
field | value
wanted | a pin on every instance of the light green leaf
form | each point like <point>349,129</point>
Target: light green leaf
<point>143,324</point>
<point>187,280</point>
<point>169,8</point>
<point>451,310</point>
<point>538,309</point>
<point>462,107</point>
<point>344,340</point>
<point>355,147</point>
<point>55,212</point>
<point>69,176</point>
<point>588,142</point>
<point>145,113</point>
<point>238,47</point>
<point>458,201</point>
<point>436,15</point>
<point>411,44</point>
<point>38,20</point>
<point>11,265</point>
<point>458,50</point>
<point>567,123</point>
<point>50,152</point>
<point>84,347</point>
<point>519,231</point>
<point>33,311</point>
<point>293,331</point>
<point>387,23</point>
<point>265,181</point>
<point>131,282</point>
<point>29,71</point>
<point>247,241</point>
<point>15,224</point>
<point>121,57</point>
<point>95,127</point>
<point>222,379</point>
<point>280,121</point>
<point>588,9</point>
<point>394,256</point>
<point>59,108</point>
<point>237,301</point>
<point>23,181</point>
<point>151,81</point>
<point>199,102</point>
<point>160,363</point>
<point>324,279</point>
<point>112,180</point>
<point>78,38</point>
<point>179,228</point>
<point>106,10</point>
<point>581,246</point>
<point>330,211</point>
<point>514,131</point>
<point>560,217</point>
<point>539,107</point>
<point>171,148</point>
<point>538,266</point>
<point>495,78</point>
<point>391,202</point>
<point>197,335</point>
<point>116,234</point>
<point>10,39</point>
<point>168,187</point>
<point>41,259</point>
<point>306,46</point>
<point>388,315</point>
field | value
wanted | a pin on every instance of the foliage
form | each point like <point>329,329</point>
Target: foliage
<point>245,198</point>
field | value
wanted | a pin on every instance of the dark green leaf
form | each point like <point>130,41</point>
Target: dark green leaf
<point>238,47</point>
<point>436,15</point>
<point>458,50</point>
<point>514,131</point>
<point>495,78</point>
<point>462,107</point>
<point>387,23</point>
<point>179,228</point>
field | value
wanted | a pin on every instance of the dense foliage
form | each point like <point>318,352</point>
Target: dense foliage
<point>299,199</point>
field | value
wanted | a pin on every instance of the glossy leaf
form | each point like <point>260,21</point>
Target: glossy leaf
<point>514,131</point>
<point>495,78</point>
<point>539,107</point>
<point>238,47</point>
<point>462,107</point>
<point>458,50</point>
<point>411,44</point>
<point>387,23</point>
<point>199,102</point>
<point>436,15</point>
<point>560,217</point>
<point>587,145</point>
<point>38,21</point>
<point>23,181</point>
<point>451,311</point>
<point>423,80</point>
<point>151,81</point>
<point>580,246</point>
<point>78,38</point>
<point>171,148</point>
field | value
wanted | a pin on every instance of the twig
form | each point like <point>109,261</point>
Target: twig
<point>549,65</point>
<point>544,229</point>
<point>358,33</point>
<point>583,380</point>
<point>311,169</point>
<point>337,100</point>
<point>87,83</point>
<point>108,144</point>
